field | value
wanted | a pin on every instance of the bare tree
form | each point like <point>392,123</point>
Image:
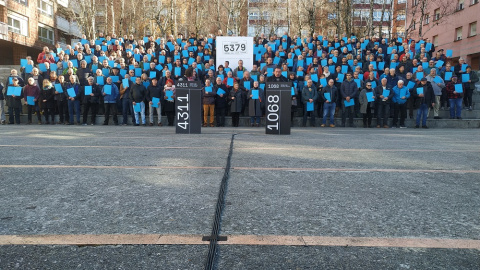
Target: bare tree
<point>84,13</point>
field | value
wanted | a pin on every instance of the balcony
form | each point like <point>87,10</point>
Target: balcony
<point>3,30</point>
<point>70,28</point>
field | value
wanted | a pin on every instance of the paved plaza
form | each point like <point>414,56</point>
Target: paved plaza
<point>113,197</point>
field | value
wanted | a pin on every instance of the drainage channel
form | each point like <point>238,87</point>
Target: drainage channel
<point>214,237</point>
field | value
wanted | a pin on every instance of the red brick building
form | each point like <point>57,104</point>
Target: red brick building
<point>26,26</point>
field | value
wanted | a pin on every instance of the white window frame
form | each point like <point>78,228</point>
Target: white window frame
<point>470,34</point>
<point>23,23</point>
<point>45,11</point>
<point>458,34</point>
<point>46,39</point>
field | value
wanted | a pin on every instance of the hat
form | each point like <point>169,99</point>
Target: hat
<point>116,67</point>
<point>423,79</point>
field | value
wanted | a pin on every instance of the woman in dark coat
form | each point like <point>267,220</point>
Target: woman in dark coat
<point>235,100</point>
<point>255,105</point>
<point>220,102</point>
<point>47,96</point>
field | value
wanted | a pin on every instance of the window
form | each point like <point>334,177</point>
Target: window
<point>17,23</point>
<point>401,16</point>
<point>415,2</point>
<point>45,34</point>
<point>22,2</point>
<point>458,33</point>
<point>414,26</point>
<point>402,1</point>
<point>437,14</point>
<point>435,40</point>
<point>45,7</point>
<point>473,29</point>
<point>461,4</point>
<point>427,18</point>
<point>474,2</point>
<point>377,16</point>
<point>332,16</point>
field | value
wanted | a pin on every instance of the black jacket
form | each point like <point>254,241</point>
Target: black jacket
<point>138,92</point>
<point>429,95</point>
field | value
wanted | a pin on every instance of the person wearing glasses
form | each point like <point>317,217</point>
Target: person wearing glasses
<point>366,105</point>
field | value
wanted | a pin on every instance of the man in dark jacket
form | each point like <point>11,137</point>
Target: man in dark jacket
<point>220,102</point>
<point>2,105</point>
<point>348,90</point>
<point>309,98</point>
<point>91,100</point>
<point>155,98</point>
<point>425,98</point>
<point>277,76</point>
<point>208,101</point>
<point>383,100</point>
<point>329,96</point>
<point>138,93</point>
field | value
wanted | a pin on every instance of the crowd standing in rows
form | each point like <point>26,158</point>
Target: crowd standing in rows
<point>369,77</point>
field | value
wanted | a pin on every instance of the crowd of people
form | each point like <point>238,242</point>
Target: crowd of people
<point>365,77</point>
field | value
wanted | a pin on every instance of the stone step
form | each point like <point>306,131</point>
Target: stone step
<point>297,122</point>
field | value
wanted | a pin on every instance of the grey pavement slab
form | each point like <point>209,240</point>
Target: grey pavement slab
<point>356,204</point>
<point>103,257</point>
<point>107,201</point>
<point>299,258</point>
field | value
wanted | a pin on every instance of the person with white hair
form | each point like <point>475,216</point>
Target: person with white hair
<point>401,94</point>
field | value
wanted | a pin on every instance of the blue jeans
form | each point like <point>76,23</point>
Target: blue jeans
<point>252,119</point>
<point>455,102</point>
<point>75,104</point>
<point>140,114</point>
<point>422,112</point>
<point>126,110</point>
<point>328,109</point>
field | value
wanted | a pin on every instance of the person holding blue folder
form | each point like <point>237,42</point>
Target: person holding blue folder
<point>425,99</point>
<point>348,90</point>
<point>220,101</point>
<point>60,98</point>
<point>256,99</point>
<point>138,93</point>
<point>437,84</point>
<point>235,100</point>
<point>469,87</point>
<point>47,95</point>
<point>455,97</point>
<point>73,99</point>
<point>155,98</point>
<point>31,90</point>
<point>208,101</point>
<point>367,104</point>
<point>110,95</point>
<point>91,94</point>
<point>169,92</point>
<point>329,96</point>
<point>401,95</point>
<point>14,102</point>
<point>309,97</point>
<point>383,97</point>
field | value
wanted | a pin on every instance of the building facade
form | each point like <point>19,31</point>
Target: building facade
<point>454,29</point>
<point>26,26</point>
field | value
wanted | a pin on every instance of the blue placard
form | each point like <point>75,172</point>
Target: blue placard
<point>370,96</point>
<point>464,67</point>
<point>58,88</point>
<point>246,84</point>
<point>293,91</point>
<point>448,76</point>
<point>178,71</point>
<point>310,106</point>
<point>208,89</point>
<point>42,67</point>
<point>255,78</point>
<point>230,81</point>
<point>105,72</point>
<point>410,85</point>
<point>74,62</point>
<point>328,97</point>
<point>146,84</point>
<point>459,88</point>
<point>340,77</point>
<point>28,68</point>
<point>220,92</point>
<point>439,64</point>
<point>254,94</point>
<point>240,74</point>
<point>359,82</point>
<point>153,74</point>
<point>155,102</point>
<point>71,92</point>
<point>299,73</point>
<point>385,93</point>
<point>137,107</point>
<point>123,72</point>
<point>23,62</point>
<point>88,90</point>
<point>100,80</point>
<point>344,69</point>
<point>323,82</point>
<point>465,77</point>
<point>437,79</point>
<point>169,95</point>
<point>107,89</point>
<point>138,72</point>
<point>269,72</point>
<point>285,74</point>
<point>419,90</point>
<point>419,75</point>
<point>125,83</point>
<point>374,84</point>
<point>349,103</point>
<point>290,62</point>
<point>30,100</point>
<point>146,66</point>
<point>449,53</point>
<point>115,79</point>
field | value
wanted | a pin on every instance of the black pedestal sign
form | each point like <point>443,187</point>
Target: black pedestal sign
<point>278,107</point>
<point>188,112</point>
